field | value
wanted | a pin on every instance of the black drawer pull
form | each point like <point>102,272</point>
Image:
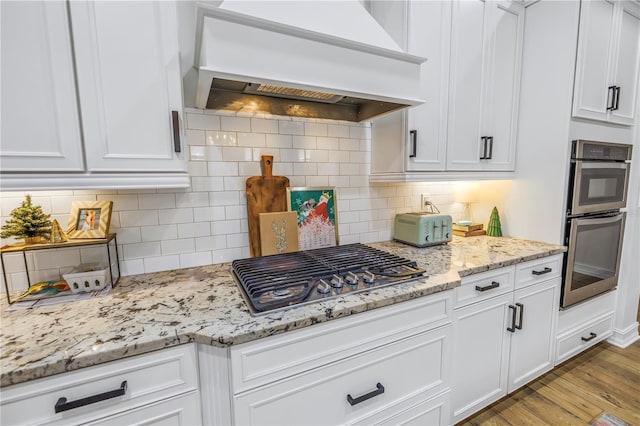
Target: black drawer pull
<point>544,271</point>
<point>414,143</point>
<point>513,319</point>
<point>176,131</point>
<point>63,405</point>
<point>521,306</point>
<point>494,284</point>
<point>591,337</point>
<point>611,98</point>
<point>353,401</point>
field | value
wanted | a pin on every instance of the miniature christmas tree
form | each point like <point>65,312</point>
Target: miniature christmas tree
<point>494,229</point>
<point>27,221</point>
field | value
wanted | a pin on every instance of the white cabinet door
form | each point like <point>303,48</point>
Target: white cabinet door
<point>486,51</point>
<point>429,37</point>
<point>40,126</point>
<point>533,344</point>
<point>481,355</point>
<point>129,84</point>
<point>627,64</point>
<point>606,79</point>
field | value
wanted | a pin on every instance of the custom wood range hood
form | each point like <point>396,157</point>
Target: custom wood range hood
<point>302,58</point>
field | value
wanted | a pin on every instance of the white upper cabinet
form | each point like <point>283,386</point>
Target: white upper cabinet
<point>486,52</point>
<point>607,64</point>
<point>40,124</point>
<point>128,97</point>
<point>129,83</point>
<point>471,85</point>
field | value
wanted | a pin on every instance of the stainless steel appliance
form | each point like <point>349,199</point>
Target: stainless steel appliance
<point>594,229</point>
<point>422,229</point>
<point>277,282</point>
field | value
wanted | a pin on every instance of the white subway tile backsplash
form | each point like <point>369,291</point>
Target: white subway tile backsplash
<point>238,124</point>
<point>157,201</point>
<point>237,154</point>
<point>290,127</point>
<point>222,168</point>
<point>279,141</point>
<point>261,125</point>
<point>221,138</point>
<point>338,131</point>
<point>161,263</point>
<point>191,230</point>
<point>181,245</point>
<point>202,122</point>
<point>170,228</point>
<point>252,139</point>
<point>207,183</point>
<point>141,250</point>
<point>138,218</point>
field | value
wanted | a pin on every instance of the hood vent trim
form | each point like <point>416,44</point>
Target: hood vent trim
<point>239,53</point>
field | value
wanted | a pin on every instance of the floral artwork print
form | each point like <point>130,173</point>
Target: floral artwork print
<point>316,212</point>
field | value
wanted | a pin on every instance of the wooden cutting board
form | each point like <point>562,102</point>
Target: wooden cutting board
<point>265,194</point>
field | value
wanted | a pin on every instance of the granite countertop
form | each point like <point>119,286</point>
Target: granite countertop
<point>203,304</point>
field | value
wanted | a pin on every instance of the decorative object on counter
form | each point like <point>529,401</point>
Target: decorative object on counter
<point>466,193</point>
<point>265,194</point>
<point>28,222</point>
<point>468,230</point>
<point>317,216</point>
<point>44,289</point>
<point>57,234</point>
<point>88,277</point>
<point>110,262</point>
<point>278,232</point>
<point>89,219</point>
<point>494,229</point>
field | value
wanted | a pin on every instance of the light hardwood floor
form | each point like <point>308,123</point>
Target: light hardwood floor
<point>602,379</point>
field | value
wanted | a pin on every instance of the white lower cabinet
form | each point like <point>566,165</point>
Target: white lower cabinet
<point>156,388</point>
<point>350,371</point>
<point>503,338</point>
<point>583,325</point>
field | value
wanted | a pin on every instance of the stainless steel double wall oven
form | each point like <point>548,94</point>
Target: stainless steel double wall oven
<point>594,229</point>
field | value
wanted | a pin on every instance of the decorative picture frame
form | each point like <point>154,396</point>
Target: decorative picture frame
<point>317,213</point>
<point>89,219</point>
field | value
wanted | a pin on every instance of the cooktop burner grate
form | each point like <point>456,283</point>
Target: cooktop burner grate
<point>279,281</point>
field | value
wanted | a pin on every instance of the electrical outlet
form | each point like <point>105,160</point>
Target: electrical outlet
<point>424,202</point>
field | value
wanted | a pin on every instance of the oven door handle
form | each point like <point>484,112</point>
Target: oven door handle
<point>599,220</point>
<point>586,164</point>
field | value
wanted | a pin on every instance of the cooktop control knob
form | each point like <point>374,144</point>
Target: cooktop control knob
<point>352,278</point>
<point>337,281</point>
<point>369,277</point>
<point>323,287</point>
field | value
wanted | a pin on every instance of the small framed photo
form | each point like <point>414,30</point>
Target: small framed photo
<point>317,214</point>
<point>89,219</point>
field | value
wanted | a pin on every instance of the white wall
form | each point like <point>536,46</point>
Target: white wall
<point>167,229</point>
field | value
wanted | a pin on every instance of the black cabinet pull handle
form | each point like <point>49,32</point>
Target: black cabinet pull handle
<point>591,337</point>
<point>176,131</point>
<point>546,270</point>
<point>494,284</point>
<point>490,156</point>
<point>414,143</point>
<point>617,90</point>
<point>379,390</point>
<point>513,319</point>
<point>484,147</point>
<point>521,306</point>
<point>611,98</point>
<point>63,405</point>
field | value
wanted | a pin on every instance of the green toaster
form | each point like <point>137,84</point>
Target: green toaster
<point>422,229</point>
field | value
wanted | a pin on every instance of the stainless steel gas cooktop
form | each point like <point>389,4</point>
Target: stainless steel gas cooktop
<point>277,282</point>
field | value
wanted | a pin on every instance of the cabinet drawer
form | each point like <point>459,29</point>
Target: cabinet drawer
<point>434,411</point>
<point>538,270</point>
<point>586,312</point>
<point>482,286</point>
<point>417,365</point>
<point>574,342</point>
<point>149,378</point>
<point>267,360</point>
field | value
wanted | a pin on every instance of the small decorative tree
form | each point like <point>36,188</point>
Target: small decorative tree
<point>28,222</point>
<point>494,229</point>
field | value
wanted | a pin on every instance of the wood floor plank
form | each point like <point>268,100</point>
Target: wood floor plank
<point>602,379</point>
